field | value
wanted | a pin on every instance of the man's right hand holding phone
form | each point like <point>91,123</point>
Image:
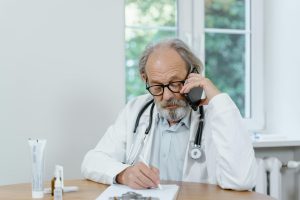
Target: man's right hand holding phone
<point>197,80</point>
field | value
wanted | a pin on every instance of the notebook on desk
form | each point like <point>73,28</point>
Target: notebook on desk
<point>168,192</point>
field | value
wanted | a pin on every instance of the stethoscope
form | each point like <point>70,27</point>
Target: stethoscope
<point>196,150</point>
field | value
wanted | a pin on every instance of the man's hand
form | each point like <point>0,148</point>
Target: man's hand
<point>196,80</point>
<point>139,176</point>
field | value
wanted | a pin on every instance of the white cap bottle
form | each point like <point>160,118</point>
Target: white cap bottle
<point>58,191</point>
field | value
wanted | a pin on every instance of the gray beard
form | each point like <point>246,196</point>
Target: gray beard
<point>173,115</point>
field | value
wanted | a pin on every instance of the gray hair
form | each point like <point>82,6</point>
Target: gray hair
<point>179,46</point>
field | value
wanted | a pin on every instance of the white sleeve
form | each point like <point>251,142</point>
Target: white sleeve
<point>230,156</point>
<point>105,161</point>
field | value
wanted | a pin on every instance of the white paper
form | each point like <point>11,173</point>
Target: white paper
<point>168,192</point>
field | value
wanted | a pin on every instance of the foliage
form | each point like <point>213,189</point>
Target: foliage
<point>151,17</point>
<point>224,53</point>
<point>225,64</point>
<point>229,14</point>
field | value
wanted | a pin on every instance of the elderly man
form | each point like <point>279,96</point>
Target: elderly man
<point>158,136</point>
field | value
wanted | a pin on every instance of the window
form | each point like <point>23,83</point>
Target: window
<point>146,21</point>
<point>224,34</point>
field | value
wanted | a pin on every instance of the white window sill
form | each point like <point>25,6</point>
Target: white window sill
<point>272,140</point>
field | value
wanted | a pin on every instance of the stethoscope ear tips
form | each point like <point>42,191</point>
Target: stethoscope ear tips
<point>195,153</point>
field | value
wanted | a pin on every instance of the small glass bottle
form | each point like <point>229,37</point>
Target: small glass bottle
<point>53,185</point>
<point>58,191</point>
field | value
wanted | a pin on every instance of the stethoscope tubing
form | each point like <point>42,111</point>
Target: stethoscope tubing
<point>197,141</point>
<point>141,113</point>
<point>198,137</point>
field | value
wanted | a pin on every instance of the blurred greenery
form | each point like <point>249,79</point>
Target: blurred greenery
<point>147,27</point>
<point>229,14</point>
<point>150,13</point>
<point>225,64</point>
<point>224,53</point>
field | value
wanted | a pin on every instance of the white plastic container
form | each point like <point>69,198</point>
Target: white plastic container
<point>37,148</point>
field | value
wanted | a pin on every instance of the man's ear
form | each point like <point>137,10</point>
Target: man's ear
<point>144,77</point>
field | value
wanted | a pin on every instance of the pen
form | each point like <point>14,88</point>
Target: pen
<point>142,159</point>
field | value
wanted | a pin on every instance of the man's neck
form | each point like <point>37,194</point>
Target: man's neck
<point>171,123</point>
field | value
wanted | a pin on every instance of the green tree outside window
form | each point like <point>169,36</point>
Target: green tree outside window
<point>150,21</point>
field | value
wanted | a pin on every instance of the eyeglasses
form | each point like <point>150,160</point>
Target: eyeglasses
<point>175,87</point>
<point>157,90</point>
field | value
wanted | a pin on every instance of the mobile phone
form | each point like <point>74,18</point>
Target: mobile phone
<point>193,97</point>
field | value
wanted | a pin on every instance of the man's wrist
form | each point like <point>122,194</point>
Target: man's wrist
<point>119,177</point>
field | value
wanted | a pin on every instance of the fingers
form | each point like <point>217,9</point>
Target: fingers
<point>151,178</point>
<point>140,176</point>
<point>137,183</point>
<point>197,80</point>
<point>156,171</point>
<point>193,80</point>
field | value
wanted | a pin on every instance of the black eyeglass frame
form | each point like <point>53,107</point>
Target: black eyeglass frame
<point>193,70</point>
<point>148,87</point>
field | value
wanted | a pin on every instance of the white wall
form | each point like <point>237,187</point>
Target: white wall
<point>282,67</point>
<point>281,85</point>
<point>61,78</point>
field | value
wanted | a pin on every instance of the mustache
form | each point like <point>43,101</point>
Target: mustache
<point>173,102</point>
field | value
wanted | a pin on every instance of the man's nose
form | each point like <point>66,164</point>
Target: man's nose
<point>168,94</point>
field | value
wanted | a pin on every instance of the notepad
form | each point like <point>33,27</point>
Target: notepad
<point>168,192</point>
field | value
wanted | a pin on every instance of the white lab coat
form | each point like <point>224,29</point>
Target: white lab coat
<point>229,156</point>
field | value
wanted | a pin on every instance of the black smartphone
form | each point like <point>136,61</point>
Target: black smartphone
<point>193,97</point>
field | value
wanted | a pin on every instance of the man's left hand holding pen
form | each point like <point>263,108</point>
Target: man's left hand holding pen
<point>139,176</point>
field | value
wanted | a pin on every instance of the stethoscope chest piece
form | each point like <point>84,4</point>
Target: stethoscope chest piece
<point>196,152</point>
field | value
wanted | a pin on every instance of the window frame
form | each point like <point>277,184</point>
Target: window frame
<point>191,29</point>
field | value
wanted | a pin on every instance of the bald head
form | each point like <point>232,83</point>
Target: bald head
<point>179,48</point>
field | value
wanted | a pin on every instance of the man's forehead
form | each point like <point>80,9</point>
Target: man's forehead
<point>165,52</point>
<point>164,57</point>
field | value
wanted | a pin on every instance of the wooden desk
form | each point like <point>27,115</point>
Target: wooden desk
<point>91,190</point>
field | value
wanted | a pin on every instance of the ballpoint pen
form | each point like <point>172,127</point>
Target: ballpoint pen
<point>142,159</point>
